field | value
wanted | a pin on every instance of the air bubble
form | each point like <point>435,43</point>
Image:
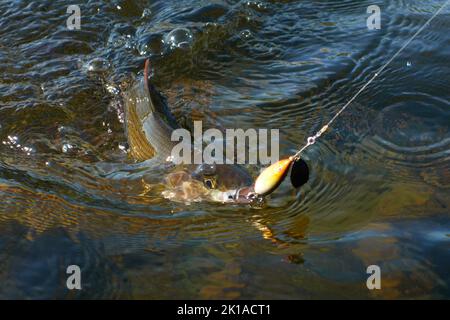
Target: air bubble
<point>246,34</point>
<point>122,148</point>
<point>67,147</point>
<point>146,13</point>
<point>179,38</point>
<point>112,89</point>
<point>97,65</point>
<point>150,44</point>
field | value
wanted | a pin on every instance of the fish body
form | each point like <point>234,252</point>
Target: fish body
<point>149,126</point>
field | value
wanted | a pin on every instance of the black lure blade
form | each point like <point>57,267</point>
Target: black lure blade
<point>299,173</point>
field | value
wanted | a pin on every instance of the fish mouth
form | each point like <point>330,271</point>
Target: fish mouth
<point>245,195</point>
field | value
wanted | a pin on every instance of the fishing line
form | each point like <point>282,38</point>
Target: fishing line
<point>312,139</point>
<point>271,177</point>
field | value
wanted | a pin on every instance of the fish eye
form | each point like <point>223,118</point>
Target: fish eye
<point>209,183</point>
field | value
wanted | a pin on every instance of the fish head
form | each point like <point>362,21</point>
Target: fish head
<point>220,183</point>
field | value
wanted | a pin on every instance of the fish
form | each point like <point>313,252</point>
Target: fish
<point>149,125</point>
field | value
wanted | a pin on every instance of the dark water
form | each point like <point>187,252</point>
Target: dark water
<point>379,189</point>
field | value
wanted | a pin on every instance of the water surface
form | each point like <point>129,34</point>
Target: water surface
<point>380,179</point>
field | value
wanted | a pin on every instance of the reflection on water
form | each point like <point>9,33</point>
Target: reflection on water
<point>378,189</point>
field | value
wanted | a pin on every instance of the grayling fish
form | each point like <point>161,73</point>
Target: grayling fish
<point>149,125</point>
